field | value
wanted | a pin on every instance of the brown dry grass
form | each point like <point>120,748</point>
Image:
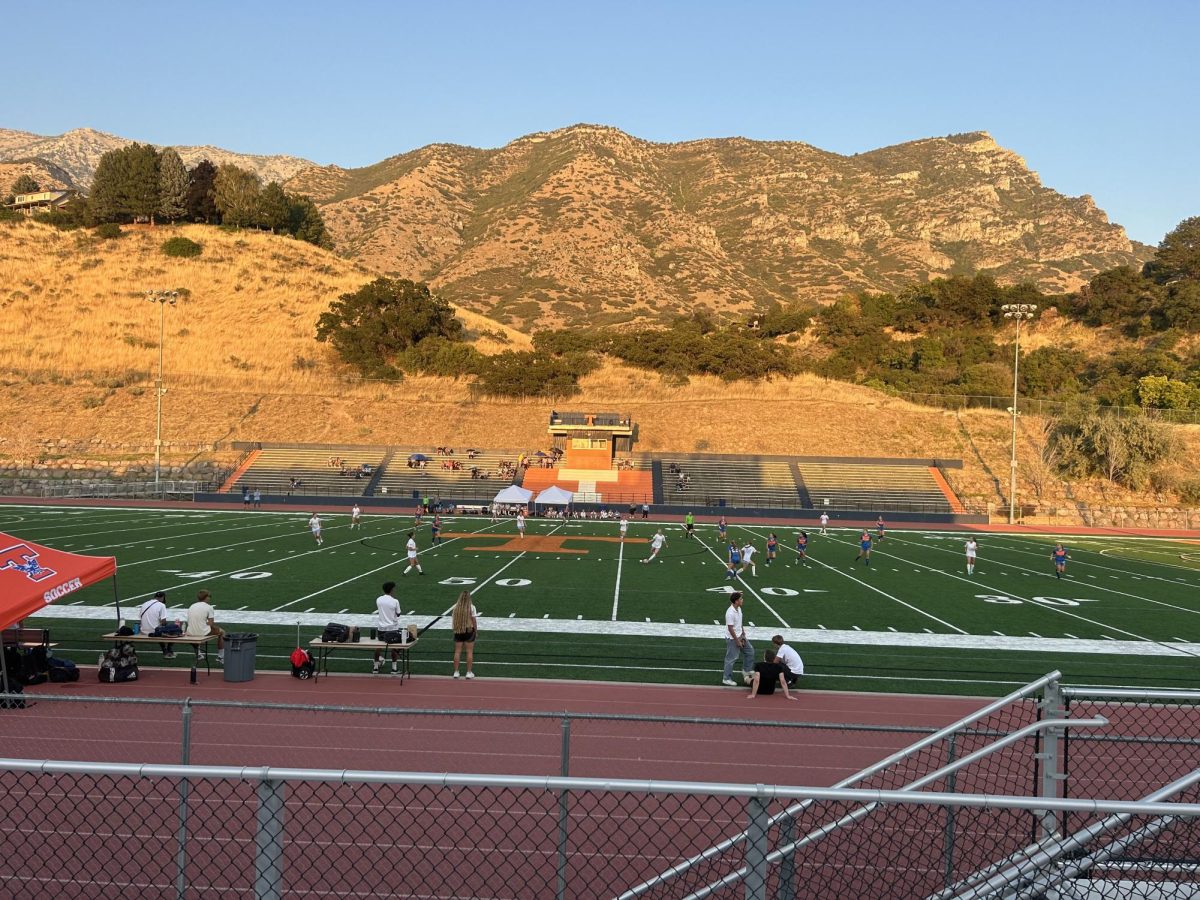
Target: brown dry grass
<point>74,304</point>
<point>71,302</point>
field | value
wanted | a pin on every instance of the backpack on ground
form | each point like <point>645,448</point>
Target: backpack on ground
<point>119,664</point>
<point>62,671</point>
<point>303,665</point>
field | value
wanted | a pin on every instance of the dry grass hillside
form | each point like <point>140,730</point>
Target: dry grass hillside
<point>78,349</point>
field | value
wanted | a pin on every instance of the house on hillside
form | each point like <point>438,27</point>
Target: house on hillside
<point>43,201</point>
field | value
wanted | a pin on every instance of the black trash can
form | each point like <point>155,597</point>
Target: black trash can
<point>240,648</point>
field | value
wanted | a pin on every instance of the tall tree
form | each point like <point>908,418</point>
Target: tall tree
<point>1178,255</point>
<point>25,184</point>
<point>237,195</point>
<point>306,223</point>
<point>172,186</point>
<point>142,186</point>
<point>273,211</point>
<point>201,205</point>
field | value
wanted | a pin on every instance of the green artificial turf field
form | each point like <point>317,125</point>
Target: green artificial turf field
<point>571,600</point>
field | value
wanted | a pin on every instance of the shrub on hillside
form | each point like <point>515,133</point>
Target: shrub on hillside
<point>181,247</point>
<point>1189,492</point>
<point>108,231</point>
<point>533,374</point>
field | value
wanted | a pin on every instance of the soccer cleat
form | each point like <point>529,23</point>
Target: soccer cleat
<point>170,654</point>
<point>470,674</point>
<point>220,659</point>
<point>375,669</point>
<point>728,682</point>
<point>456,673</point>
<point>747,678</point>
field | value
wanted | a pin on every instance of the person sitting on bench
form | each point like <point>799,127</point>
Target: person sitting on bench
<point>200,623</point>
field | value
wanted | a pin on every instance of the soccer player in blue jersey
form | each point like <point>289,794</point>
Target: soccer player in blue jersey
<point>1060,557</point>
<point>772,547</point>
<point>721,529</point>
<point>735,560</point>
<point>802,547</point>
<point>864,548</point>
<point>879,528</point>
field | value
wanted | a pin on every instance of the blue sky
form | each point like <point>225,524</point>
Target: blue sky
<point>1098,97</point>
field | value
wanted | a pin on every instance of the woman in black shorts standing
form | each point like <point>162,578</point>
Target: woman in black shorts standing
<point>465,622</point>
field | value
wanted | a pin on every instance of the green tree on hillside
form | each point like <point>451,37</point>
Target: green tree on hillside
<point>305,221</point>
<point>126,185</point>
<point>172,186</point>
<point>25,184</point>
<point>1178,255</point>
<point>201,193</point>
<point>369,327</point>
<point>273,209</point>
<point>236,195</point>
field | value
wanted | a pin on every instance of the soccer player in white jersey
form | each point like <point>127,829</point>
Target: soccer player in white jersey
<point>656,544</point>
<point>521,523</point>
<point>314,525</point>
<point>624,526</point>
<point>972,551</point>
<point>824,523</point>
<point>412,556</point>
<point>355,517</point>
<point>748,559</point>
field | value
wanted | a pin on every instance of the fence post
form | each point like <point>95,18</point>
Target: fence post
<point>787,865</point>
<point>1049,758</point>
<point>268,842</point>
<point>757,824</point>
<point>563,811</point>
<point>182,830</point>
<point>951,786</point>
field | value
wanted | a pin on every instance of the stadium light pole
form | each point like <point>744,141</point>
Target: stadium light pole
<point>1018,312</point>
<point>162,298</point>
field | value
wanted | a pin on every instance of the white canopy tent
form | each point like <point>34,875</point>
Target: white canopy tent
<point>513,494</point>
<point>555,496</point>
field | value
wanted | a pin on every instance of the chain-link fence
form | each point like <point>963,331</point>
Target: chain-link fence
<point>1035,794</point>
<point>174,831</point>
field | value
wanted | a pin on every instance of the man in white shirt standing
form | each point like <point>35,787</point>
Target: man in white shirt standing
<point>411,546</point>
<point>153,614</point>
<point>748,559</point>
<point>314,525</point>
<point>387,619</point>
<point>201,622</point>
<point>793,665</point>
<point>736,642</point>
<point>972,551</point>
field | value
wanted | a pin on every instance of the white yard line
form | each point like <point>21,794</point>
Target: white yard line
<point>617,586</point>
<point>674,630</point>
<point>741,580</point>
<point>1033,600</point>
<point>370,571</point>
<point>872,587</point>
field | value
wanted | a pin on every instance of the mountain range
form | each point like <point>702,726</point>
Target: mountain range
<point>590,224</point>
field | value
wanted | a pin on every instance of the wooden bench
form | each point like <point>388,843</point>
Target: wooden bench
<point>26,638</point>
<point>195,642</point>
<point>324,649</point>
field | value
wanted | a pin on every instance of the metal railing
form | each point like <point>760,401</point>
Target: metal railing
<point>197,830</point>
<point>141,490</point>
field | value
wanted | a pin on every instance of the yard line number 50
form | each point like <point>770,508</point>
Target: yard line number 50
<point>1044,601</point>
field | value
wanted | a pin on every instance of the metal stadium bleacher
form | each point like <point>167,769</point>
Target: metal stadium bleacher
<point>874,486</point>
<point>729,481</point>
<point>799,486</point>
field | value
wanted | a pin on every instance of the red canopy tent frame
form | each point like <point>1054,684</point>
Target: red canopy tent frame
<point>33,576</point>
